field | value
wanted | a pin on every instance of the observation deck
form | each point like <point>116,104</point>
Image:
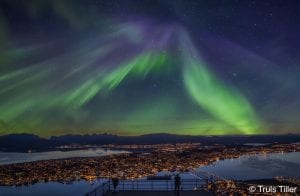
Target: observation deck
<point>143,187</point>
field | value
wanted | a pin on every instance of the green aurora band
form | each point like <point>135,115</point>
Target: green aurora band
<point>41,108</point>
<point>222,102</point>
<point>139,66</point>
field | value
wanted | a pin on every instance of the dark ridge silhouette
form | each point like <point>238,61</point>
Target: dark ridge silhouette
<point>25,142</point>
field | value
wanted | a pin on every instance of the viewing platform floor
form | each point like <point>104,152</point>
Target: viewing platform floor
<point>159,193</point>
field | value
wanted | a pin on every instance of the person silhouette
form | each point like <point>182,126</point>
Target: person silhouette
<point>177,182</point>
<point>115,182</point>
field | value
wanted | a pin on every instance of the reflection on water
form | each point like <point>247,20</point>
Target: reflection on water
<point>257,166</point>
<point>9,157</point>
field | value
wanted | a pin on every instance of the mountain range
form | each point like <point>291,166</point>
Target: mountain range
<point>25,142</point>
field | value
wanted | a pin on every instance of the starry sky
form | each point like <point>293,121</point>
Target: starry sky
<point>131,67</point>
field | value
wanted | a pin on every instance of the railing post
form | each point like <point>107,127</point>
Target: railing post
<point>167,185</point>
<point>151,185</point>
<point>181,187</point>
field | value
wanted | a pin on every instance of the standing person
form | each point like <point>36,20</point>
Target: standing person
<point>177,182</point>
<point>115,182</point>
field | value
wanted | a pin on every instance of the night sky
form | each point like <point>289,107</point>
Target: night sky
<point>138,67</point>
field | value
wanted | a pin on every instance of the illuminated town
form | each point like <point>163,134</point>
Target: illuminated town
<point>135,165</point>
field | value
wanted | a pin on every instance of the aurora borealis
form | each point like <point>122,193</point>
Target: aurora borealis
<point>132,68</point>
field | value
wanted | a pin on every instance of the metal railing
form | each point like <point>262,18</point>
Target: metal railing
<point>100,190</point>
<point>148,185</point>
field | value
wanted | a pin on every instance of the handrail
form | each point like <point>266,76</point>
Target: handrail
<point>148,185</point>
<point>100,190</point>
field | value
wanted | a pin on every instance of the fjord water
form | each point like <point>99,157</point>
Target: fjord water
<point>14,157</point>
<point>261,166</point>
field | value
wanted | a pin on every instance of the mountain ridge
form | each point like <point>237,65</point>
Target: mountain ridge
<point>25,142</point>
